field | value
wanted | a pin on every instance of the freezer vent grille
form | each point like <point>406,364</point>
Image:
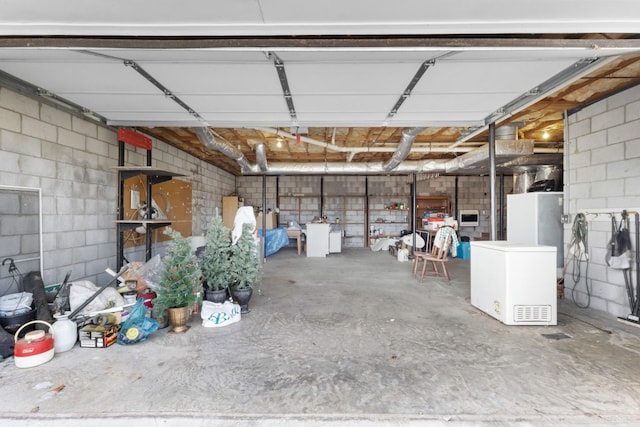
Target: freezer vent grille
<point>532,313</point>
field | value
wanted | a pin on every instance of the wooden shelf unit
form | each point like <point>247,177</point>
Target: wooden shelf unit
<point>440,204</point>
<point>392,220</point>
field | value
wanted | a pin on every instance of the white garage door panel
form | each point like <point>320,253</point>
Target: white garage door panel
<point>216,78</point>
<point>73,77</point>
<point>236,104</point>
<point>129,103</point>
<point>350,78</point>
<point>483,77</point>
<point>344,103</point>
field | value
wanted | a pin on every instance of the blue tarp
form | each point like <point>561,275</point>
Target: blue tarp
<point>275,239</point>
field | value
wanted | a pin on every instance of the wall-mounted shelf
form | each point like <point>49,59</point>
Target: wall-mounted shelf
<point>386,219</point>
<point>152,223</point>
<point>153,176</point>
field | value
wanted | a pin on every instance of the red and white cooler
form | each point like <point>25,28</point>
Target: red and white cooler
<point>35,348</point>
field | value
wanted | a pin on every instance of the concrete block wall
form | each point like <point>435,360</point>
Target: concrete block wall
<point>602,176</point>
<point>390,185</point>
<point>251,191</point>
<point>20,231</point>
<point>71,160</point>
<point>343,185</point>
<point>473,193</point>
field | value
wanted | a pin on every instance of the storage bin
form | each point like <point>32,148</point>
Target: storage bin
<point>464,250</point>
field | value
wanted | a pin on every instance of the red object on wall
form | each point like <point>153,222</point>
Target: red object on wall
<point>134,138</point>
<point>297,138</point>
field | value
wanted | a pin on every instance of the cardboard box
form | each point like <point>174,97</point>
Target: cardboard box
<point>272,221</point>
<point>98,336</point>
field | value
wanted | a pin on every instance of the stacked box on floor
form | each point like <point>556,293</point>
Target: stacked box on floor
<point>98,336</point>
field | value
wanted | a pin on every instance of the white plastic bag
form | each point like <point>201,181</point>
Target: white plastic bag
<point>403,255</point>
<point>82,290</point>
<point>215,314</point>
<point>620,262</point>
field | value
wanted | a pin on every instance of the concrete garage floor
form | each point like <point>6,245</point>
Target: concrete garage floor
<point>350,340</point>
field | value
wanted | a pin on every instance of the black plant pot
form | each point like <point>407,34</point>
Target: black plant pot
<point>219,296</point>
<point>243,296</point>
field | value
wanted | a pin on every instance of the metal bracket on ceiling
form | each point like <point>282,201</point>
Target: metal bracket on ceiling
<point>282,75</point>
<point>49,98</point>
<point>407,91</point>
<point>164,90</point>
<point>135,66</point>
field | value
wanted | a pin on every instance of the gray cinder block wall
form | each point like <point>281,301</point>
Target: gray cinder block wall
<point>601,177</point>
<point>71,160</point>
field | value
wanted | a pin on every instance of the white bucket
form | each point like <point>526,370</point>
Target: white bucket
<point>403,255</point>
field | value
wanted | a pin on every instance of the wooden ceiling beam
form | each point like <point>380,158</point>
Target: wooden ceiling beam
<point>587,41</point>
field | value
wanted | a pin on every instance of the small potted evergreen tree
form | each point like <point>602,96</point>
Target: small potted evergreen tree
<point>244,267</point>
<point>178,282</point>
<point>215,263</point>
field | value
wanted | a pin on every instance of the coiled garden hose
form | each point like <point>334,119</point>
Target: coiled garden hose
<point>579,248</point>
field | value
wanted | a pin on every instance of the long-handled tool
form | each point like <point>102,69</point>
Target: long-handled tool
<point>96,293</point>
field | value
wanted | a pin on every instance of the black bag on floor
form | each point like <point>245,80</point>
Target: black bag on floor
<point>7,343</point>
<point>32,282</point>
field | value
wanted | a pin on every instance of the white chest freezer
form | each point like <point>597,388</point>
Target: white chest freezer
<point>514,282</point>
<point>317,240</point>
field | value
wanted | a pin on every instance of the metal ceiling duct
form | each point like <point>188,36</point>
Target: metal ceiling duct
<point>505,151</point>
<point>508,131</point>
<point>472,161</point>
<point>261,157</point>
<point>431,148</point>
<point>340,168</point>
<point>209,141</point>
<point>403,150</point>
<point>527,176</point>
